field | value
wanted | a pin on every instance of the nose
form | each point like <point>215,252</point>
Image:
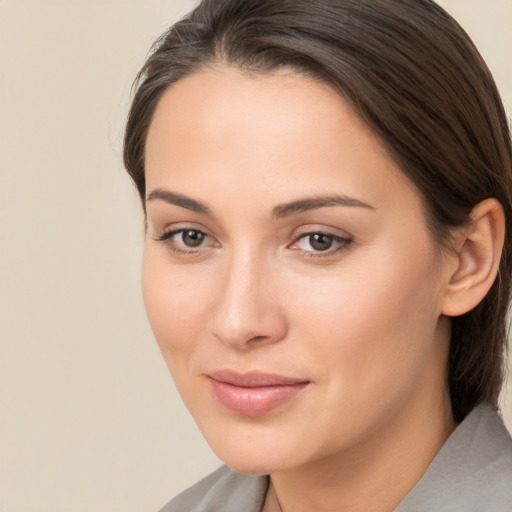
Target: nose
<point>248,313</point>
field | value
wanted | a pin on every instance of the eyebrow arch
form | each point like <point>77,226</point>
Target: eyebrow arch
<point>312,203</point>
<point>179,200</point>
<point>278,212</point>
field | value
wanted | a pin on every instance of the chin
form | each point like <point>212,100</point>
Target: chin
<point>256,452</point>
<point>252,464</point>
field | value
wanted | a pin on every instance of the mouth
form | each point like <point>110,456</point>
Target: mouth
<point>253,394</point>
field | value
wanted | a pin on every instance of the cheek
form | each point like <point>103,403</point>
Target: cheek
<point>368,332</point>
<point>374,319</point>
<point>175,305</point>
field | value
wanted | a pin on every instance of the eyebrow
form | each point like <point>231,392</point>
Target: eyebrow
<point>179,200</point>
<point>278,212</point>
<point>313,203</point>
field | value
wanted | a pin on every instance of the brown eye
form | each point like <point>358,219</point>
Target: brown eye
<point>320,242</point>
<point>187,241</point>
<point>192,238</point>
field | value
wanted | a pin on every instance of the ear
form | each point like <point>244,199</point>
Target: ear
<point>479,247</point>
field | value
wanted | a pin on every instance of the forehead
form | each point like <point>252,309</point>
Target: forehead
<point>280,134</point>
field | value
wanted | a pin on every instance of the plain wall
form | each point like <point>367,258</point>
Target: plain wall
<point>89,418</point>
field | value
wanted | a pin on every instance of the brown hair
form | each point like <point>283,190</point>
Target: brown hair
<point>413,74</point>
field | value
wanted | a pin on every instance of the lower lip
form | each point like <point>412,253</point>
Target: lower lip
<point>254,401</point>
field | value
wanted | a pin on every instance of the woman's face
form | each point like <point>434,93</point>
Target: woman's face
<point>289,275</point>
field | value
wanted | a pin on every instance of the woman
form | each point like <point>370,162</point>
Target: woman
<point>327,190</point>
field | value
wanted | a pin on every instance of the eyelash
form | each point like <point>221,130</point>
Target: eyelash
<point>343,243</point>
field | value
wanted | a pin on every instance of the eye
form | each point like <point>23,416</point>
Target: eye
<point>186,240</point>
<point>318,243</point>
<point>190,237</point>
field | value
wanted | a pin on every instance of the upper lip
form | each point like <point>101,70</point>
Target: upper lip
<point>254,379</point>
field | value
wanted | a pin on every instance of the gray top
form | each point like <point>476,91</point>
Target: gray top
<point>471,473</point>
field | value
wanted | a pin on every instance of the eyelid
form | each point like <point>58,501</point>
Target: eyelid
<point>312,229</point>
<point>176,227</point>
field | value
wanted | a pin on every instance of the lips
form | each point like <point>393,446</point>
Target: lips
<point>253,394</point>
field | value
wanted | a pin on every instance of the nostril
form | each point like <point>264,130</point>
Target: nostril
<point>257,338</point>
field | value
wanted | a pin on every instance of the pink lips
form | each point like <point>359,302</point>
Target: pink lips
<point>253,394</point>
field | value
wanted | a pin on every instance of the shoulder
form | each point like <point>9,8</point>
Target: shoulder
<point>225,490</point>
<point>471,472</point>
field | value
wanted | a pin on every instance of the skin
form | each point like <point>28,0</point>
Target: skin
<point>362,322</point>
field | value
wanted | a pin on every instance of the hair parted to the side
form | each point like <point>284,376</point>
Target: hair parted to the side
<point>413,74</point>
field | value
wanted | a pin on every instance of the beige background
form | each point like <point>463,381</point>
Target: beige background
<point>89,418</point>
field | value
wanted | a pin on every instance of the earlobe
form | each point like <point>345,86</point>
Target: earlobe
<point>478,256</point>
